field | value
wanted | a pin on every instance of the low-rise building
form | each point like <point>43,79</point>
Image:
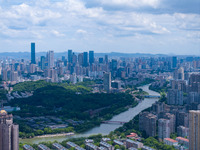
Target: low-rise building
<point>70,144</point>
<point>116,142</point>
<point>107,146</point>
<point>76,147</point>
<point>90,146</point>
<point>58,146</point>
<point>132,148</point>
<point>133,136</point>
<point>27,147</point>
<point>170,141</point>
<point>43,147</point>
<point>101,148</point>
<point>105,139</point>
<point>183,141</point>
<point>134,144</point>
<point>89,141</point>
<point>147,148</point>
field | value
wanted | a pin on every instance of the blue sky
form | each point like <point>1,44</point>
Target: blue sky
<point>131,26</point>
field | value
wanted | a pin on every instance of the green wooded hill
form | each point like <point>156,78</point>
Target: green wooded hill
<point>55,100</point>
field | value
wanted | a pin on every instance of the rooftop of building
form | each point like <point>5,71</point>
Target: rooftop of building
<point>183,139</point>
<point>195,111</point>
<point>3,112</point>
<point>171,140</point>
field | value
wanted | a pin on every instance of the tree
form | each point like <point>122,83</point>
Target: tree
<point>117,147</point>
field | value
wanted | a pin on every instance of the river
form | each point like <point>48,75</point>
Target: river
<point>105,129</point>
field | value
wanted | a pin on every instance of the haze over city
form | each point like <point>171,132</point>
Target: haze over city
<point>129,26</point>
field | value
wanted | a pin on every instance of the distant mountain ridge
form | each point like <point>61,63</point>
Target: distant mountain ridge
<point>27,55</point>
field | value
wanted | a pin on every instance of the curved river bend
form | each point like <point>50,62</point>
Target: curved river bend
<point>105,129</point>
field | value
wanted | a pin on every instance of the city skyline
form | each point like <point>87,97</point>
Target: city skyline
<point>155,26</point>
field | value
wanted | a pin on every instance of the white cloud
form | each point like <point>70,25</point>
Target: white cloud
<point>74,19</point>
<point>57,33</point>
<point>132,3</point>
<point>80,31</point>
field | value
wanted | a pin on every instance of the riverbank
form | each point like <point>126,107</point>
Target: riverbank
<point>55,135</point>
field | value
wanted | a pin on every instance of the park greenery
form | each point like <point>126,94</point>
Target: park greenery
<point>66,101</point>
<point>34,85</point>
<point>3,94</point>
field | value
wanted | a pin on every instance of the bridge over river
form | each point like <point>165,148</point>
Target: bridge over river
<point>151,96</point>
<point>114,122</point>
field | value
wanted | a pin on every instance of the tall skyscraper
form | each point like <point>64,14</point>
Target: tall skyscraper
<point>114,65</point>
<point>106,59</point>
<point>70,56</point>
<point>50,59</point>
<point>74,59</point>
<point>33,53</point>
<point>14,76</point>
<point>80,59</point>
<point>9,132</point>
<point>5,74</point>
<point>42,62</point>
<point>194,129</point>
<point>107,81</point>
<point>174,62</point>
<point>85,59</point>
<point>91,57</point>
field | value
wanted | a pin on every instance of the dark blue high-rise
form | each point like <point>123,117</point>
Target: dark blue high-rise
<point>174,62</point>
<point>85,59</point>
<point>33,53</point>
<point>91,57</point>
<point>70,56</point>
<point>42,62</point>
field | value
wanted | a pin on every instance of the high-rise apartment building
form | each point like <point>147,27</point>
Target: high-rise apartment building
<point>9,132</point>
<point>114,65</point>
<point>70,56</point>
<point>80,59</point>
<point>194,129</point>
<point>91,57</point>
<point>74,59</point>
<point>174,97</point>
<point>33,53</point>
<point>14,76</point>
<point>147,123</point>
<point>85,59</point>
<point>106,59</point>
<point>50,59</point>
<point>107,81</point>
<point>5,74</point>
<point>183,131</point>
<point>163,129</point>
<point>194,78</point>
<point>42,62</point>
<point>174,62</point>
<point>171,118</point>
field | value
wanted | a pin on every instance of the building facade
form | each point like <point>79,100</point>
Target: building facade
<point>194,127</point>
<point>9,132</point>
<point>33,53</point>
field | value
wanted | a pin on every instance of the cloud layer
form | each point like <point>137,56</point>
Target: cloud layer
<point>150,26</point>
